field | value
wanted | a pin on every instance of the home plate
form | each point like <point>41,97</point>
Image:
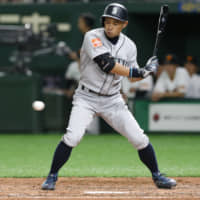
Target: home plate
<point>105,192</point>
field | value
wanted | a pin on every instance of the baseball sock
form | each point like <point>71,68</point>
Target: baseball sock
<point>61,155</point>
<point>148,157</point>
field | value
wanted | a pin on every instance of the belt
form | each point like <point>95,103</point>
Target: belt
<point>99,94</point>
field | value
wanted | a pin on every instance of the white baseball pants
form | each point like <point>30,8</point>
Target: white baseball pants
<point>112,109</point>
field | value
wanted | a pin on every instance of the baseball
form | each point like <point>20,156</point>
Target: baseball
<point>38,105</point>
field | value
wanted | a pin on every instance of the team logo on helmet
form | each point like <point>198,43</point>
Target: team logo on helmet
<point>114,10</point>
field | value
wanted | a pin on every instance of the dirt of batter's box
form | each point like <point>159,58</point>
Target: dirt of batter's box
<point>98,189</point>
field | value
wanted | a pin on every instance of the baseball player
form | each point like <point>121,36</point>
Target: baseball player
<point>106,56</point>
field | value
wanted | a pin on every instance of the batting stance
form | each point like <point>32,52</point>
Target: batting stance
<point>106,56</point>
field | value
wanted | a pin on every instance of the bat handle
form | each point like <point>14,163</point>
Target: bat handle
<point>155,51</point>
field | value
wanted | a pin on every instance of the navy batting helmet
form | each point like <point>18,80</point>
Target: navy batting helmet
<point>115,11</point>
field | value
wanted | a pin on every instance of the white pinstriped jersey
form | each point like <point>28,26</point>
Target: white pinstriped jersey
<point>95,43</point>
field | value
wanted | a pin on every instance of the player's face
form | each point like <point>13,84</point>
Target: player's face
<point>82,25</point>
<point>170,69</point>
<point>191,68</point>
<point>113,27</point>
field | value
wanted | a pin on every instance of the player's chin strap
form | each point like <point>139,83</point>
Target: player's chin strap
<point>150,67</point>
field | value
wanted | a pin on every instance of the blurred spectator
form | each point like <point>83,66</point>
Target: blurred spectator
<point>59,1</point>
<point>85,23</point>
<point>52,81</point>
<point>173,81</point>
<point>52,84</point>
<point>191,66</point>
<point>159,72</point>
<point>35,1</point>
<point>72,76</point>
<point>137,89</point>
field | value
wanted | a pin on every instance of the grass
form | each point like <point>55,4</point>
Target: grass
<point>104,155</point>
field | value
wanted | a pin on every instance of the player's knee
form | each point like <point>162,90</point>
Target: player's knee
<point>70,139</point>
<point>141,142</point>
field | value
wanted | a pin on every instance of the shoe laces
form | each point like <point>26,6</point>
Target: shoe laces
<point>163,174</point>
<point>159,176</point>
<point>52,177</point>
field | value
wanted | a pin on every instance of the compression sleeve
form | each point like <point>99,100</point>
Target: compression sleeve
<point>135,73</point>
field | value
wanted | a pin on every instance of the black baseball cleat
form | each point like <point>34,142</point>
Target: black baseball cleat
<point>50,182</point>
<point>163,182</point>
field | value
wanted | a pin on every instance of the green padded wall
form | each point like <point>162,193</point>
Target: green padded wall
<point>16,96</point>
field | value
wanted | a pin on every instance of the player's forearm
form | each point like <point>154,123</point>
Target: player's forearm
<point>120,70</point>
<point>124,71</point>
<point>107,64</point>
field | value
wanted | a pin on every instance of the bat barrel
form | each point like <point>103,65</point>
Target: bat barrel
<point>161,26</point>
<point>165,9</point>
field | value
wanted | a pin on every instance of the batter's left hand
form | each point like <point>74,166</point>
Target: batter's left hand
<point>151,66</point>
